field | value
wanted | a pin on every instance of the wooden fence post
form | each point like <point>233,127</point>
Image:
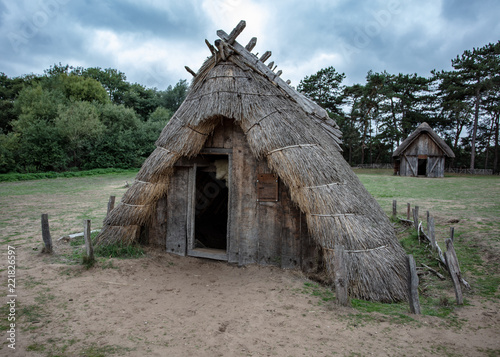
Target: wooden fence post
<point>432,233</point>
<point>340,271</point>
<point>452,233</point>
<point>428,216</point>
<point>111,204</point>
<point>413,286</point>
<point>408,207</point>
<point>394,208</point>
<point>454,269</point>
<point>47,240</point>
<point>415,217</point>
<point>88,240</point>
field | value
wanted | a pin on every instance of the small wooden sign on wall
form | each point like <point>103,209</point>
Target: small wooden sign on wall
<point>267,188</point>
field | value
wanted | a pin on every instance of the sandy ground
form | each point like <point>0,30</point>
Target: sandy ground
<point>163,305</point>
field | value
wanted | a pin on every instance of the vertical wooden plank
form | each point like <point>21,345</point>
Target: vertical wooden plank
<point>244,169</point>
<point>88,241</point>
<point>394,208</point>
<point>454,269</point>
<point>269,221</point>
<point>232,219</point>
<point>172,213</point>
<point>191,213</point>
<point>408,207</point>
<point>340,271</point>
<point>413,286</point>
<point>291,245</point>
<point>47,240</point>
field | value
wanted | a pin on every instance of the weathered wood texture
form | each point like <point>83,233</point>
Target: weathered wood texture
<point>454,269</point>
<point>47,240</point>
<point>111,204</point>
<point>341,281</point>
<point>413,286</point>
<point>88,240</point>
<point>267,233</point>
<point>423,146</point>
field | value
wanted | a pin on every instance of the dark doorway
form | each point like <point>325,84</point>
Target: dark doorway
<point>211,209</point>
<point>422,167</point>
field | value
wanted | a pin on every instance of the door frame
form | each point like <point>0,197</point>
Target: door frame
<point>192,251</point>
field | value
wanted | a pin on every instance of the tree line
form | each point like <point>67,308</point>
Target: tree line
<point>74,118</point>
<point>80,118</point>
<point>462,105</point>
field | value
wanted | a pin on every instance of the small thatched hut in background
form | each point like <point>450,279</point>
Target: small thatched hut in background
<point>250,171</point>
<point>423,153</point>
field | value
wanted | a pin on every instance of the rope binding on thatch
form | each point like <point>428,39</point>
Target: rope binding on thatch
<point>326,185</point>
<point>359,250</point>
<point>333,215</point>
<point>291,146</point>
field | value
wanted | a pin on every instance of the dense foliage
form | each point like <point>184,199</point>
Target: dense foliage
<point>80,119</point>
<point>86,118</point>
<point>462,105</point>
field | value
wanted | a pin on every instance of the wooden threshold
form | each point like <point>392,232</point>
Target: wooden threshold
<point>209,253</point>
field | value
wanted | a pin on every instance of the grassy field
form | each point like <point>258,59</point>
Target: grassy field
<point>471,204</point>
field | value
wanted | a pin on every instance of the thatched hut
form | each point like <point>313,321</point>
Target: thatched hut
<point>250,171</point>
<point>423,153</point>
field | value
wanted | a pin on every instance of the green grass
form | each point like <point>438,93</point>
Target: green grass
<point>11,177</point>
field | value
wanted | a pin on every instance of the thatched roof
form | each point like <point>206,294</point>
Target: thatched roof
<point>299,142</point>
<point>424,128</point>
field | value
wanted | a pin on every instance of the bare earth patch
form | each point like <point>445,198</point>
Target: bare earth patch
<point>164,305</point>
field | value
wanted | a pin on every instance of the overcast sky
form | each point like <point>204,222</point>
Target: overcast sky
<point>152,40</point>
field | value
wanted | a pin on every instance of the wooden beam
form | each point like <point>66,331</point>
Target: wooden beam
<point>220,47</point>
<point>210,47</point>
<point>265,56</point>
<point>190,71</point>
<point>251,44</point>
<point>236,31</point>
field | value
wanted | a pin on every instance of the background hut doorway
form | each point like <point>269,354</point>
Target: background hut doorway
<point>422,165</point>
<point>209,215</point>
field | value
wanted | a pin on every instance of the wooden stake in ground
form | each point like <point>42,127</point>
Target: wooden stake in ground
<point>454,269</point>
<point>341,291</point>
<point>431,232</point>
<point>394,208</point>
<point>47,240</point>
<point>413,286</point>
<point>415,217</point>
<point>408,207</point>
<point>111,204</point>
<point>88,240</point>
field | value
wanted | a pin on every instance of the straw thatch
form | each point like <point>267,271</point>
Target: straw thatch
<point>299,142</point>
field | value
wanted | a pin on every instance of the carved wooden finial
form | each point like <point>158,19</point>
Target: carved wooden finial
<point>288,81</point>
<point>190,71</point>
<point>249,47</point>
<point>270,65</point>
<point>265,56</point>
<point>279,73</point>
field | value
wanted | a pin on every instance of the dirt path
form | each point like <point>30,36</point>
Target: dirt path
<point>166,305</point>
